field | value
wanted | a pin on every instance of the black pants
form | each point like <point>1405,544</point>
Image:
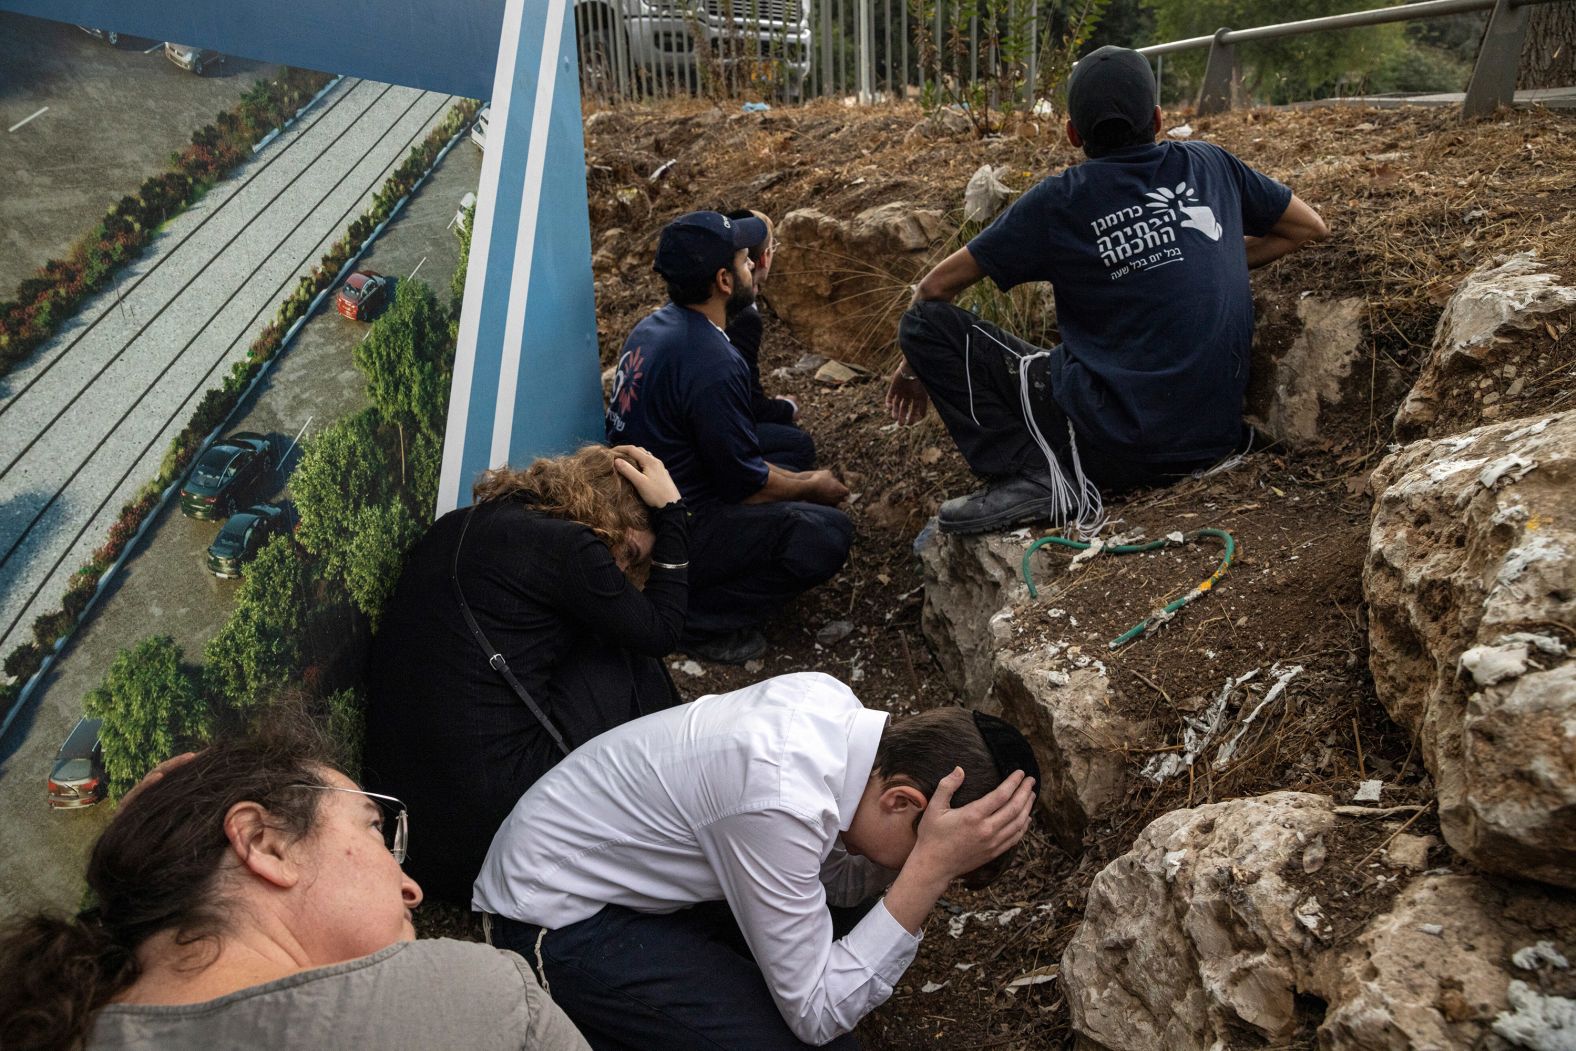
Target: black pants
<point>786,445</point>
<point>634,981</point>
<point>978,396</point>
<point>748,560</point>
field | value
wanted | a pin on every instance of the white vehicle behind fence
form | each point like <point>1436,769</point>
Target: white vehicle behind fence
<point>644,46</point>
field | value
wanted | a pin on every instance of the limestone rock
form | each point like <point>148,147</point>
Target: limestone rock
<point>832,268</point>
<point>1435,970</point>
<point>1207,936</point>
<point>1471,586</point>
<point>1478,329</point>
<point>1076,736</point>
<point>1312,376</point>
<point>1197,935</point>
<point>969,580</point>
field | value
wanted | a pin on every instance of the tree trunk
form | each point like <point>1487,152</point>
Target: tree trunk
<point>1548,58</point>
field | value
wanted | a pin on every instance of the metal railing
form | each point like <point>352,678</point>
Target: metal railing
<point>1493,80</point>
<point>869,49</point>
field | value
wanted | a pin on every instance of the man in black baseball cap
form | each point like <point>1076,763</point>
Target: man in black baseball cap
<point>1111,100</point>
<point>759,534</point>
<point>1147,246</point>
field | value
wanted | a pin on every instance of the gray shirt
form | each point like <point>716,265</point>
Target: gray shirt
<point>417,995</point>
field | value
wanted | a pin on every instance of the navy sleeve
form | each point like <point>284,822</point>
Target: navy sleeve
<point>1016,247</point>
<point>745,332</point>
<point>725,439</point>
<point>1264,200</point>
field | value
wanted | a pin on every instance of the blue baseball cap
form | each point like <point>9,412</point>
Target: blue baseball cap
<point>699,244</point>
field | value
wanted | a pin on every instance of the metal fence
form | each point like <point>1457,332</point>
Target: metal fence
<point>799,49</point>
<point>971,51</point>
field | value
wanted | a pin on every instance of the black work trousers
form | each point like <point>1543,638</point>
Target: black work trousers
<point>971,370</point>
<point>786,445</point>
<point>680,981</point>
<point>748,560</point>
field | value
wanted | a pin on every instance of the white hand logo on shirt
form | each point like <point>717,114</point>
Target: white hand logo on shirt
<point>1202,218</point>
<point>1168,202</point>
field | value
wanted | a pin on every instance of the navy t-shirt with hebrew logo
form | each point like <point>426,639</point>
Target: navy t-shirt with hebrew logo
<point>683,392</point>
<point>1144,250</point>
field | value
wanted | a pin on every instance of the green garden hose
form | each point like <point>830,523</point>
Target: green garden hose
<point>1130,549</point>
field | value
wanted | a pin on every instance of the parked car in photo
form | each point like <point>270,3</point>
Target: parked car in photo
<point>77,778</point>
<point>362,294</point>
<point>243,536</point>
<point>226,474</point>
<point>462,215</point>
<point>193,59</point>
<point>109,36</point>
<point>479,128</point>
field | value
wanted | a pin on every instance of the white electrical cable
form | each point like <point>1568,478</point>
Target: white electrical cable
<point>1077,502</point>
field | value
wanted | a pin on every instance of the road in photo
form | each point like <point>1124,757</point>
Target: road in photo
<point>84,423</point>
<point>111,116</point>
<point>165,588</point>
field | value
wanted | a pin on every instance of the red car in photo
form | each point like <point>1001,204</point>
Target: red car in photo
<point>362,294</point>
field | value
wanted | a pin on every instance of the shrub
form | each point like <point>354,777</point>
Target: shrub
<point>49,627</point>
<point>23,661</point>
<point>151,707</point>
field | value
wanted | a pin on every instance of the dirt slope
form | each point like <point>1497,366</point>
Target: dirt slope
<point>1415,198</point>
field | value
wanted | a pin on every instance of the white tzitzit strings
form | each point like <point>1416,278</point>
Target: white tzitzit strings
<point>1077,503</point>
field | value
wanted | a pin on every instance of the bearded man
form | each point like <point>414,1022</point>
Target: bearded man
<point>759,534</point>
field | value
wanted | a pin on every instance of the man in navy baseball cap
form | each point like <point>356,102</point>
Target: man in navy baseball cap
<point>759,534</point>
<point>695,246</point>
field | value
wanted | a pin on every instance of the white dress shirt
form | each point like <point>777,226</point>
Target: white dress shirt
<point>738,797</point>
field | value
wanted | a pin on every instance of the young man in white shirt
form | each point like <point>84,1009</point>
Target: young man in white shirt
<point>671,878</point>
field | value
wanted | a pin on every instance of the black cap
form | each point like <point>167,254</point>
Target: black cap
<point>1111,83</point>
<point>699,244</point>
<point>1008,748</point>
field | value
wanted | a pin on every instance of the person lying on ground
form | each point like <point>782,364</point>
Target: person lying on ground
<point>574,570</point>
<point>671,879</point>
<point>759,534</point>
<point>251,896</point>
<point>1147,246</point>
<point>781,440</point>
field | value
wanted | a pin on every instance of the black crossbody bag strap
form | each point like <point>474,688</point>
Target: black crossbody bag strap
<point>494,658</point>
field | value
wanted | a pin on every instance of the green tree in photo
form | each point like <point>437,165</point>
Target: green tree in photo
<point>261,648</point>
<point>375,549</point>
<point>152,708</point>
<point>408,359</point>
<point>1285,70</point>
<point>345,469</point>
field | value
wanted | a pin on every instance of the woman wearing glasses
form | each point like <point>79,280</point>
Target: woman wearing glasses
<point>522,626</point>
<point>252,896</point>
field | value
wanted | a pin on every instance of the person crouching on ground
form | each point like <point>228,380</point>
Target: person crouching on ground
<point>251,896</point>
<point>550,561</point>
<point>671,879</point>
<point>782,441</point>
<point>1147,246</point>
<point>760,534</point>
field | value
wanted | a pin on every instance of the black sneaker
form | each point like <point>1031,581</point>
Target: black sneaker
<point>1000,505</point>
<point>735,647</point>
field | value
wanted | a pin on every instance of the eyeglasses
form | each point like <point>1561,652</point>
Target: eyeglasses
<point>395,831</point>
<point>774,246</point>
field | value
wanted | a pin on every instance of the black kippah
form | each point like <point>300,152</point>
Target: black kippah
<point>1008,748</point>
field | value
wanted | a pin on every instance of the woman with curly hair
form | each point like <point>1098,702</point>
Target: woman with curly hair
<point>251,896</point>
<point>574,570</point>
